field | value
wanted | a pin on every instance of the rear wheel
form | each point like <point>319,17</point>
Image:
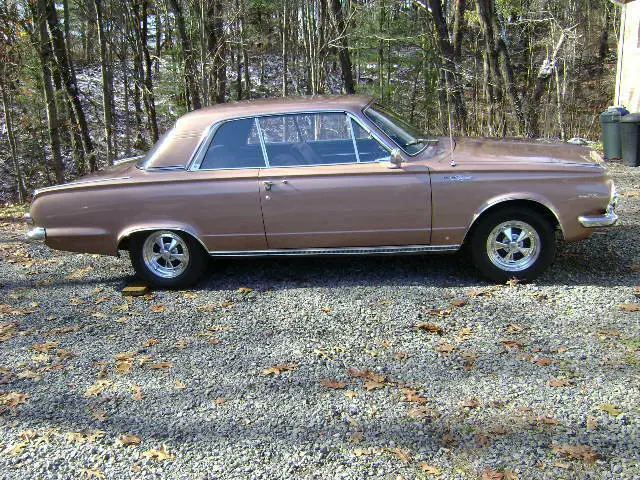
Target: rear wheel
<point>167,259</point>
<point>513,243</point>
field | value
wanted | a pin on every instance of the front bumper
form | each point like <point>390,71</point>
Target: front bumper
<point>37,233</point>
<point>606,220</point>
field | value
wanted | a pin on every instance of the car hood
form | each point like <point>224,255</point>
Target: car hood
<point>523,154</point>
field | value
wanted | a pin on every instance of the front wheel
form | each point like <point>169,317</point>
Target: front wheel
<point>513,243</point>
<point>167,259</point>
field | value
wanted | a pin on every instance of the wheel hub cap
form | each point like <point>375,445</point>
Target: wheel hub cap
<point>166,254</point>
<point>513,246</point>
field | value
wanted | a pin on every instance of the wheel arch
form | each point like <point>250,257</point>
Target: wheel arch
<point>531,203</point>
<point>125,236</point>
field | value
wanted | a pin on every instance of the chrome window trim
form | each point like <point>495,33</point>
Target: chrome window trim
<point>202,148</point>
<point>353,138</point>
<point>263,144</point>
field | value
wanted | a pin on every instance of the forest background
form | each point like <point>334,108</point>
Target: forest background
<point>85,82</point>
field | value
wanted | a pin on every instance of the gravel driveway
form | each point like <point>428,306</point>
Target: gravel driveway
<point>394,367</point>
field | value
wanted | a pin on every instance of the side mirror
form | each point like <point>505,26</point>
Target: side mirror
<point>395,159</point>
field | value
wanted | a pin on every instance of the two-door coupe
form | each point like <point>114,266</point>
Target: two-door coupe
<point>326,176</point>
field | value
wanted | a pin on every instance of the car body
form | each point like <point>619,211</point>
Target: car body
<point>326,175</point>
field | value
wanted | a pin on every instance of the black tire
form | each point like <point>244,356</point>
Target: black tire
<point>190,272</point>
<point>528,266</point>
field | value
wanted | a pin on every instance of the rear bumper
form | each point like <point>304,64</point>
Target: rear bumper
<point>606,220</point>
<point>36,234</point>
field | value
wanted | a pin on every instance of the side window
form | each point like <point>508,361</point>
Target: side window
<point>369,149</point>
<point>308,139</point>
<point>235,145</point>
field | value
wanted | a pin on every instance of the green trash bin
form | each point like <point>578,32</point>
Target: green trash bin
<point>630,137</point>
<point>610,121</point>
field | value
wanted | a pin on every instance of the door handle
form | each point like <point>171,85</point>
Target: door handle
<point>267,185</point>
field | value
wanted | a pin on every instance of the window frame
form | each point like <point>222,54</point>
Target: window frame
<point>196,160</point>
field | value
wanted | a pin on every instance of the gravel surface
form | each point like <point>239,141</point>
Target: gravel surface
<point>510,381</point>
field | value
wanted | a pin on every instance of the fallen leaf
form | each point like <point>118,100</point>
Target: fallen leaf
<point>189,295</point>
<point>127,439</point>
<point>576,452</point>
<point>421,412</point>
<point>123,366</point>
<point>513,328</point>
<point>179,385</point>
<point>491,474</point>
<point>465,333</point>
<point>150,342</point>
<point>30,375</point>
<point>161,365</point>
<point>608,332</point>
<point>332,384</point>
<point>15,449</point>
<point>326,309</point>
<point>373,384</point>
<point>79,273</point>
<point>610,409</point>
<point>497,430</point>
<point>543,361</point>
<point>403,455</point>
<point>592,423</point>
<point>482,440</point>
<point>458,303</point>
<point>158,455</point>
<point>512,282</point>
<point>559,382</point>
<point>245,290</point>
<point>413,396</point>
<point>278,369</point>
<point>442,312</point>
<point>97,388</point>
<point>99,415</point>
<point>400,355</point>
<point>511,344</point>
<point>428,469</point>
<point>220,400</point>
<point>157,308</point>
<point>7,331</point>
<point>91,472</point>
<point>181,344</point>
<point>137,392</point>
<point>430,327</point>
<point>356,437</point>
<point>546,420</point>
<point>470,403</point>
<point>84,436</point>
<point>445,348</point>
<point>630,307</point>
<point>44,347</point>
<point>350,394</point>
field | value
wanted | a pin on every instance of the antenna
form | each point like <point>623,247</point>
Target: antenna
<point>446,82</point>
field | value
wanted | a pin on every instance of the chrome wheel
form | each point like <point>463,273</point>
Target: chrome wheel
<point>513,246</point>
<point>165,254</point>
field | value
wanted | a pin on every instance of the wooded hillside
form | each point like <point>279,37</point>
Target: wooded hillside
<point>87,81</point>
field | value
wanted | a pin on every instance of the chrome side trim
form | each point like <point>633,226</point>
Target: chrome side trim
<point>36,234</point>
<point>607,220</point>
<point>337,251</point>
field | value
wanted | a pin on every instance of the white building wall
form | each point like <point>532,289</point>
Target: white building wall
<point>628,76</point>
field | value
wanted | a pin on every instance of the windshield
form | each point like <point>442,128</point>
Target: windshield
<point>404,135</point>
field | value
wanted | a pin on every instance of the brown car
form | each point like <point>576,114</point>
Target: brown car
<point>326,176</point>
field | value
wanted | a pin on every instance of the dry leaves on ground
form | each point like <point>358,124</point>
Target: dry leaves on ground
<point>429,327</point>
<point>158,455</point>
<point>91,472</point>
<point>97,388</point>
<point>491,474</point>
<point>332,384</point>
<point>559,382</point>
<point>445,348</point>
<point>276,370</point>
<point>428,469</point>
<point>630,307</point>
<point>127,439</point>
<point>611,409</point>
<point>576,452</point>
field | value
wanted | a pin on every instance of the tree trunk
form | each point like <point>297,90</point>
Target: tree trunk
<point>8,120</point>
<point>451,76</point>
<point>68,78</point>
<point>343,49</point>
<point>46,61</point>
<point>107,91</point>
<point>190,73</point>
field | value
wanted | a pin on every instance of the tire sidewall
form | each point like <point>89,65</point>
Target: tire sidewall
<point>487,224</point>
<point>195,267</point>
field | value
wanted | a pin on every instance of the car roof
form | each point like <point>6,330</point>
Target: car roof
<point>190,129</point>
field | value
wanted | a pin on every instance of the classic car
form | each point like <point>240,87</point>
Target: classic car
<point>327,176</point>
